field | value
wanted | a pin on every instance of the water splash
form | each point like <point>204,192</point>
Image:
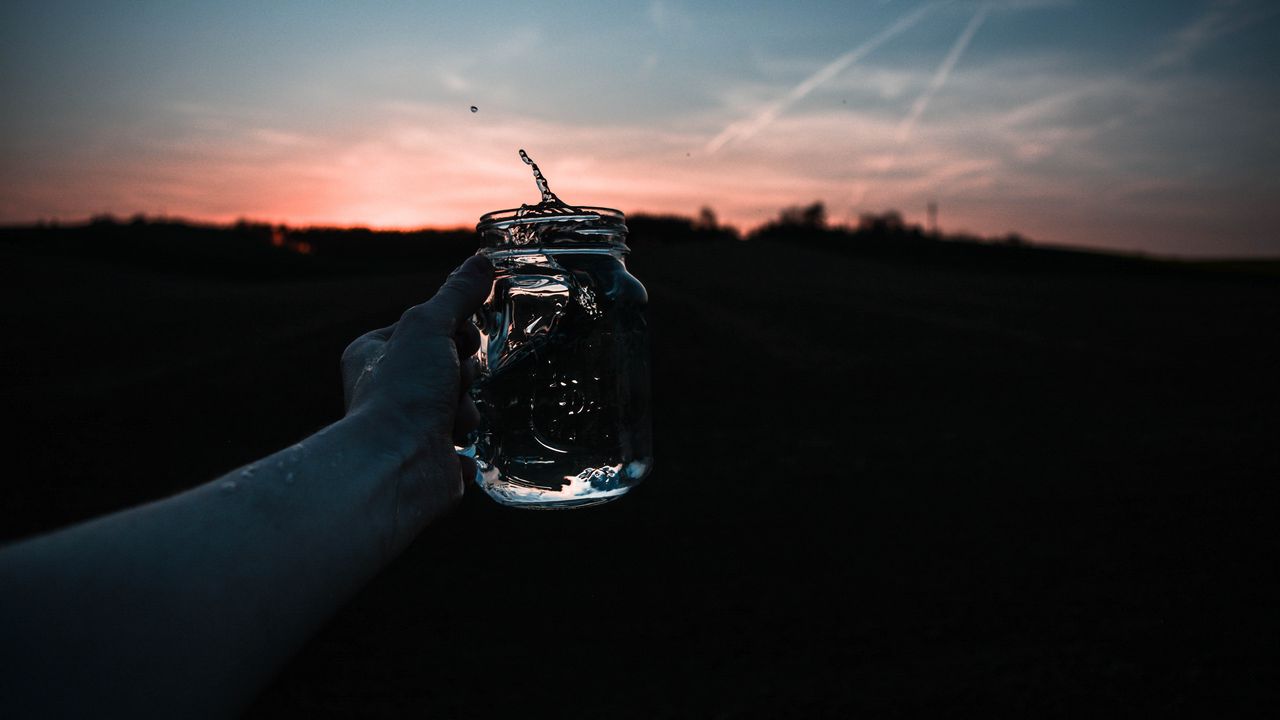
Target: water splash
<point>548,197</point>
<point>550,206</point>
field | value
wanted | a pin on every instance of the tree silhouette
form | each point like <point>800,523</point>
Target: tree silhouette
<point>706,219</point>
<point>811,217</point>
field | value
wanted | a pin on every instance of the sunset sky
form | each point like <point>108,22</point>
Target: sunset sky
<point>1130,125</point>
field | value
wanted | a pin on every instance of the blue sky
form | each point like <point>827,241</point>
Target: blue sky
<point>1138,125</point>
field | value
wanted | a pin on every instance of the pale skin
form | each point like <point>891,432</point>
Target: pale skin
<point>186,607</point>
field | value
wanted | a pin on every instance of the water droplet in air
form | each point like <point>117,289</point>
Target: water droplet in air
<point>475,109</point>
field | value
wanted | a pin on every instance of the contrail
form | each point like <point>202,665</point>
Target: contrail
<point>944,71</point>
<point>743,129</point>
<point>1217,22</point>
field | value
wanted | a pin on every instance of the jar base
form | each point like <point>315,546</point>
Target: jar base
<point>528,498</point>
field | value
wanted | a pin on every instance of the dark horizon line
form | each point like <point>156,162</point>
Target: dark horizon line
<point>126,219</point>
<point>113,218</point>
<point>1010,238</point>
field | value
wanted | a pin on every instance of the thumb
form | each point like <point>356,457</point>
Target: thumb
<point>458,299</point>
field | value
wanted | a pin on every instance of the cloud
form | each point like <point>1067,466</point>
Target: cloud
<point>944,71</point>
<point>647,65</point>
<point>1219,20</point>
<point>453,81</point>
<point>745,129</point>
<point>1141,90</point>
<point>667,17</point>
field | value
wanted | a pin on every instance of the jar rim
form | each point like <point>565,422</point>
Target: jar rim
<point>503,219</point>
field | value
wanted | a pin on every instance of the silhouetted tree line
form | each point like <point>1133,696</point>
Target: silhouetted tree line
<point>888,235</point>
<point>809,223</point>
<point>260,250</point>
<point>246,249</point>
<point>675,229</point>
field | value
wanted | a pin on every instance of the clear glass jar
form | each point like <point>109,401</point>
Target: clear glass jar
<point>563,384</point>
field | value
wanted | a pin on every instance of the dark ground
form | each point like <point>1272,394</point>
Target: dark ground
<point>943,486</point>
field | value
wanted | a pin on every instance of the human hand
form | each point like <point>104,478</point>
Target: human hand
<point>412,378</point>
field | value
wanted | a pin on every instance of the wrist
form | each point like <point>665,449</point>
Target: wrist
<point>393,432</point>
<point>411,465</point>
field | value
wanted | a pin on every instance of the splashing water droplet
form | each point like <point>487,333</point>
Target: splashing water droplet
<point>549,206</point>
<point>475,109</point>
<point>548,197</point>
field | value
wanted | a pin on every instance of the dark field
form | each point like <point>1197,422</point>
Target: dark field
<point>988,480</point>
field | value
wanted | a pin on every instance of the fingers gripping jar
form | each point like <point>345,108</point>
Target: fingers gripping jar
<point>563,383</point>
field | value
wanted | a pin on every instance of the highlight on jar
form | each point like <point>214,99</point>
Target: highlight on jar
<point>563,365</point>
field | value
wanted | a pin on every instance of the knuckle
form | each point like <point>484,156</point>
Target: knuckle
<point>425,317</point>
<point>358,349</point>
<point>351,351</point>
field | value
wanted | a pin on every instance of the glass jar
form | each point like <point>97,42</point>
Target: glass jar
<point>563,383</point>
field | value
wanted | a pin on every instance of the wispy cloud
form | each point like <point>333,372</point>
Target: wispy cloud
<point>743,130</point>
<point>943,72</point>
<point>1135,91</point>
<point>666,16</point>
<point>1220,18</point>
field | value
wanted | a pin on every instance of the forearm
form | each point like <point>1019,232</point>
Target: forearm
<point>196,599</point>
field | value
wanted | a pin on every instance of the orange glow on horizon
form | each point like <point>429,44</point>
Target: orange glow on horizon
<point>423,166</point>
